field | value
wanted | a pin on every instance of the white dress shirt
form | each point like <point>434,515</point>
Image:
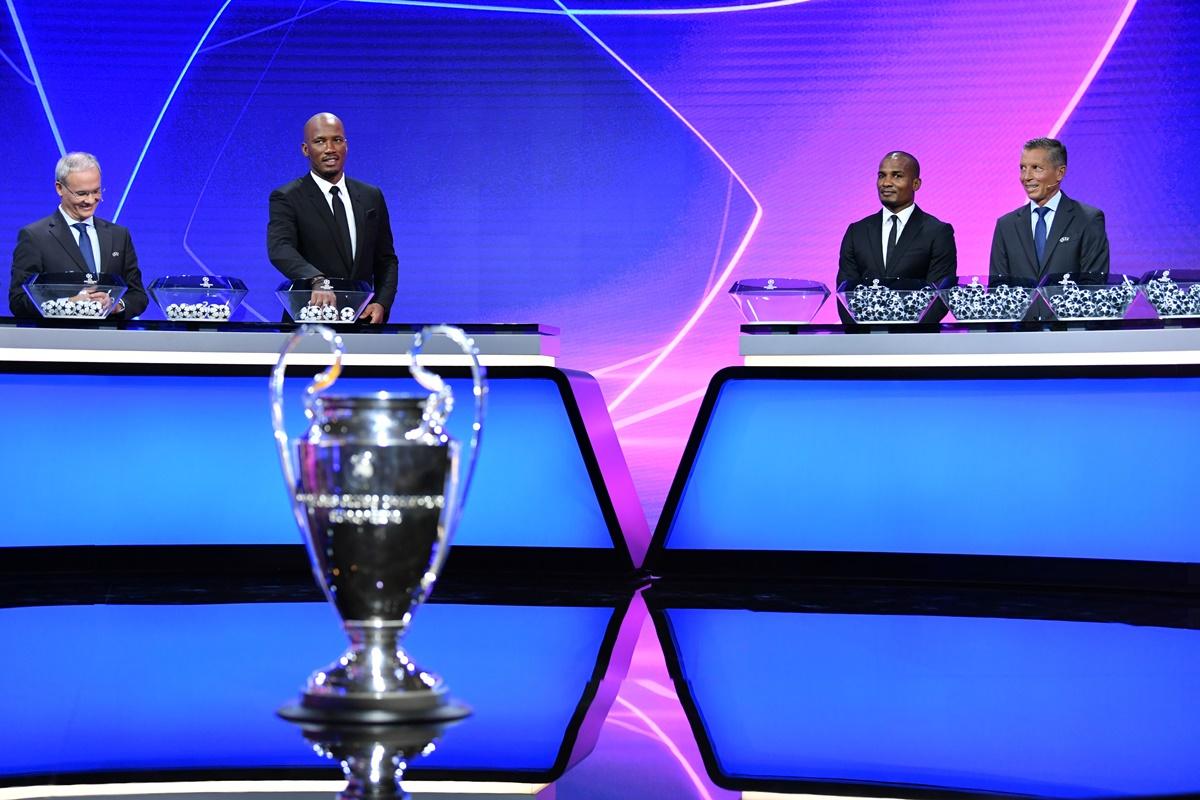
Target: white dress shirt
<point>92,237</point>
<point>344,195</point>
<point>1051,204</point>
<point>903,216</point>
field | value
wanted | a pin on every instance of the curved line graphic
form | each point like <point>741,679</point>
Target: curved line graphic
<point>17,69</point>
<point>37,79</point>
<point>1095,68</point>
<point>592,12</point>
<point>670,745</point>
<point>294,18</point>
<point>661,408</point>
<point>166,104</point>
<point>742,245</point>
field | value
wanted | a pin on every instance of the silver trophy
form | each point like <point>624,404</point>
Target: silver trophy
<point>378,487</point>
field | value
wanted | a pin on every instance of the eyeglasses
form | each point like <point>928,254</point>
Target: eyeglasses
<point>84,194</point>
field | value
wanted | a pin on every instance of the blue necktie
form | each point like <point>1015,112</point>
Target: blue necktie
<point>1039,232</point>
<point>85,246</point>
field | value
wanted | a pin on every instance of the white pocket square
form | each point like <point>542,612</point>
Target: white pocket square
<point>1060,241</point>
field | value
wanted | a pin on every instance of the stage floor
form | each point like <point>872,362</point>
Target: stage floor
<point>133,684</point>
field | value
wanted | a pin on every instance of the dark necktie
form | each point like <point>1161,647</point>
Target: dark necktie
<point>85,246</point>
<point>342,224</point>
<point>1039,233</point>
<point>891,241</point>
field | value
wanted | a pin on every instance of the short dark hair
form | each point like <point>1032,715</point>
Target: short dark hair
<point>916,165</point>
<point>1053,147</point>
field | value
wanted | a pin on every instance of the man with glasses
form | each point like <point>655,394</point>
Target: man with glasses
<point>73,239</point>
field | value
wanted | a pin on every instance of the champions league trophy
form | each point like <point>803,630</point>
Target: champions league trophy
<point>378,488</point>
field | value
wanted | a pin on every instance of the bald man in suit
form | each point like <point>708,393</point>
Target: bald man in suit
<point>305,234</point>
<point>901,241</point>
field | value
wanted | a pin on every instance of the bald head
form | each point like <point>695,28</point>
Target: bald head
<point>908,159</point>
<point>898,179</point>
<point>324,146</point>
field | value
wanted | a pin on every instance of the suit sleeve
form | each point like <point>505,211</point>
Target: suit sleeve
<point>1093,250</point>
<point>998,268</point>
<point>943,255</point>
<point>283,239</point>
<point>135,296</point>
<point>386,266</point>
<point>848,268</point>
<point>26,261</point>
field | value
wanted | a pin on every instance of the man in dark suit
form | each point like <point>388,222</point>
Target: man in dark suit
<point>902,241</point>
<point>325,225</point>
<point>1051,233</point>
<point>72,239</point>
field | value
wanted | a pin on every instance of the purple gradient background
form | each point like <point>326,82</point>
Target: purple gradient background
<point>534,176</point>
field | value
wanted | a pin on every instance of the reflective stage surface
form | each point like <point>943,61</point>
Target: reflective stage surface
<point>144,684</point>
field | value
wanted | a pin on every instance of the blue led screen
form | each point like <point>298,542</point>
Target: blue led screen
<point>191,460</point>
<point>1085,467</point>
<point>1047,708</point>
<point>145,687</point>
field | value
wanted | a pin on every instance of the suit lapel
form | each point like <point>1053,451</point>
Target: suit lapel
<point>325,212</point>
<point>359,203</point>
<point>1063,218</point>
<point>105,238</point>
<point>1025,237</point>
<point>874,234</point>
<point>907,235</point>
<point>62,234</point>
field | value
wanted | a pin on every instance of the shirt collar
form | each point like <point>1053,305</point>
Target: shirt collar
<point>1051,204</point>
<point>325,185</point>
<point>90,221</point>
<point>903,215</point>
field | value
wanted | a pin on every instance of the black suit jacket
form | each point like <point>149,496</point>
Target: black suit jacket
<point>48,245</point>
<point>1076,243</point>
<point>302,241</point>
<point>925,251</point>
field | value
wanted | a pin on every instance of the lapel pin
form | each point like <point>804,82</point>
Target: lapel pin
<point>1064,239</point>
<point>116,253</point>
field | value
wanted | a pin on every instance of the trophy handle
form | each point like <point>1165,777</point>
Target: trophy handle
<point>441,400</point>
<point>319,384</point>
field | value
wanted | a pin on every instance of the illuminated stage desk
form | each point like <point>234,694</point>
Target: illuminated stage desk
<point>159,434</point>
<point>1019,453</point>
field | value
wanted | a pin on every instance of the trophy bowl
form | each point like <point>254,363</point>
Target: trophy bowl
<point>198,298</point>
<point>329,301</point>
<point>887,300</point>
<point>779,299</point>
<point>1087,297</point>
<point>377,487</point>
<point>74,295</point>
<point>1174,293</point>
<point>978,300</point>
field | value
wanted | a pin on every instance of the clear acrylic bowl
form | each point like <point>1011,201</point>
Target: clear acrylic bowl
<point>886,300</point>
<point>779,299</point>
<point>1174,293</point>
<point>1087,297</point>
<point>198,298</point>
<point>75,295</point>
<point>332,301</point>
<point>976,300</point>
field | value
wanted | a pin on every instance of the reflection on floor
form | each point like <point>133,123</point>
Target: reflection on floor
<point>139,687</point>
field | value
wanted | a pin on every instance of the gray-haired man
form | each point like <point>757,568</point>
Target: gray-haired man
<point>73,239</point>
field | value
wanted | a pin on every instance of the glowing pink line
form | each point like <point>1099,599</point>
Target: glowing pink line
<point>629,726</point>
<point>670,745</point>
<point>737,255</point>
<point>662,408</point>
<point>1096,65</point>
<point>629,362</point>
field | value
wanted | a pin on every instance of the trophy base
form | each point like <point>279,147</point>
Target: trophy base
<point>448,710</point>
